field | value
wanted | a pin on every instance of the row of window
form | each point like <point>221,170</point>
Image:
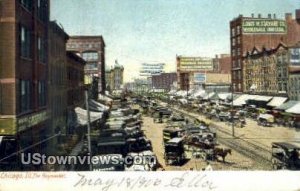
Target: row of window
<point>26,89</point>
<point>83,45</point>
<point>88,56</point>
<point>236,41</point>
<point>236,31</point>
<point>91,66</point>
<point>236,52</point>
<point>26,38</point>
<point>42,8</point>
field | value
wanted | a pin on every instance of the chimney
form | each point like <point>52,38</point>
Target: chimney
<point>288,16</point>
<point>269,16</point>
<point>274,16</point>
<point>259,16</point>
<point>298,15</point>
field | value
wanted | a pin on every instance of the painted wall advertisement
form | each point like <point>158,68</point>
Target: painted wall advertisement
<point>148,69</point>
<point>193,64</point>
<point>264,26</point>
<point>199,77</point>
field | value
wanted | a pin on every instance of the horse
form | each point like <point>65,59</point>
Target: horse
<point>222,152</point>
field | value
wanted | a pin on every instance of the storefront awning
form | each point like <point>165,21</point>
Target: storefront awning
<point>241,100</point>
<point>224,96</point>
<point>277,101</point>
<point>294,109</point>
<point>287,105</point>
<point>82,116</point>
<point>261,98</point>
<point>97,107</point>
<point>104,98</point>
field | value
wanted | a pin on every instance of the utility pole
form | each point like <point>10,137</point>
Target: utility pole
<point>88,126</point>
<point>232,122</point>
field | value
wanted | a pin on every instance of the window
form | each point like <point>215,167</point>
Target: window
<point>233,42</point>
<point>91,66</point>
<point>25,38</point>
<point>238,40</point>
<point>232,32</point>
<point>42,10</point>
<point>238,30</point>
<point>239,52</point>
<point>42,49</point>
<point>42,93</point>
<point>90,56</point>
<point>27,4</point>
<point>25,94</point>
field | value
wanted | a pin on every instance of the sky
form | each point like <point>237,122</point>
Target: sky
<point>150,31</point>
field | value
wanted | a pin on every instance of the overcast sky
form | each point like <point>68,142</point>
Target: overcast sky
<point>138,31</point>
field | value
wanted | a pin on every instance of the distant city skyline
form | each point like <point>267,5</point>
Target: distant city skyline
<point>149,31</point>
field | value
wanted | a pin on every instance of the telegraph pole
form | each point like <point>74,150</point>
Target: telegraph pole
<point>232,122</point>
<point>88,125</point>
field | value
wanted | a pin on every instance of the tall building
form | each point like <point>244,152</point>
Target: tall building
<point>114,77</point>
<point>247,32</point>
<point>57,90</point>
<point>23,77</point>
<point>92,50</point>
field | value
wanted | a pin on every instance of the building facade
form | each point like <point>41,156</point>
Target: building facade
<point>294,72</point>
<point>92,50</point>
<point>273,71</point>
<point>57,90</point>
<point>114,77</point>
<point>260,72</point>
<point>23,77</point>
<point>222,64</point>
<point>294,85</point>
<point>164,81</point>
<point>191,71</point>
<point>247,32</point>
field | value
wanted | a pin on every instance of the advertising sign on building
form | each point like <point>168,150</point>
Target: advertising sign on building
<point>264,26</point>
<point>295,56</point>
<point>193,64</point>
<point>151,69</point>
<point>199,77</point>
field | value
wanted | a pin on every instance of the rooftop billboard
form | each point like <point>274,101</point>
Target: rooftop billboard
<point>260,26</point>
<point>194,64</point>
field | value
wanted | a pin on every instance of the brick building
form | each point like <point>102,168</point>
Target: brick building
<point>75,88</point>
<point>92,50</point>
<point>222,64</point>
<point>273,71</point>
<point>57,74</point>
<point>260,72</point>
<point>247,32</point>
<point>164,81</point>
<point>23,77</point>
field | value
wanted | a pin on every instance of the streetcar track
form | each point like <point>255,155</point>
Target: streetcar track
<point>242,146</point>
